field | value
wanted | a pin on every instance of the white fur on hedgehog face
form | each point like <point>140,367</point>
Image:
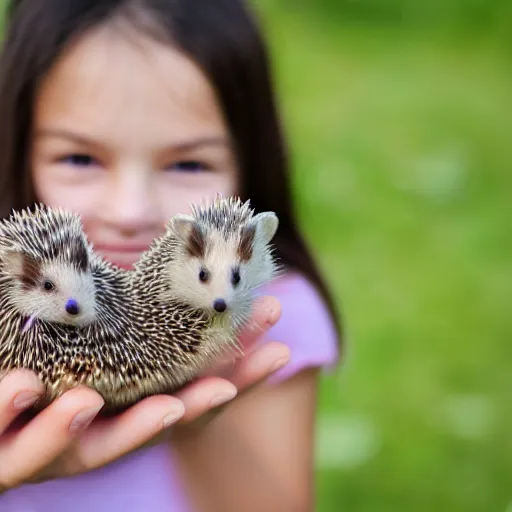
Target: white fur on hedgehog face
<point>216,282</point>
<point>219,281</point>
<point>58,292</point>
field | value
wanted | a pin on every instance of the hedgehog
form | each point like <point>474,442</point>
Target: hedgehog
<point>193,289</point>
<point>45,273</point>
<point>159,325</point>
<point>56,293</point>
<point>223,256</point>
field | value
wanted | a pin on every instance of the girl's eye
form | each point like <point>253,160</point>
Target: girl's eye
<point>189,166</point>
<point>79,159</point>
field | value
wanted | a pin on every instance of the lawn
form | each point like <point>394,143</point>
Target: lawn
<point>402,162</point>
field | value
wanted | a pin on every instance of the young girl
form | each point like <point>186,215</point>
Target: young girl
<point>127,111</point>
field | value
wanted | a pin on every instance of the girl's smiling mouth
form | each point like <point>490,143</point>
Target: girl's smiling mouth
<point>122,255</point>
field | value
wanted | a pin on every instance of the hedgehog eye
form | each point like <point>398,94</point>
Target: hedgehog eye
<point>235,278</point>
<point>203,275</point>
<point>48,286</point>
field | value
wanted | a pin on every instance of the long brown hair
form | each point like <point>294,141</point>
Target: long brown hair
<point>221,36</point>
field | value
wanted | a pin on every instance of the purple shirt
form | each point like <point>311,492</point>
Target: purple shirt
<point>147,479</point>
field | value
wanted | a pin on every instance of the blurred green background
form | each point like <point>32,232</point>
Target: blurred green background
<point>399,114</point>
<point>400,119</point>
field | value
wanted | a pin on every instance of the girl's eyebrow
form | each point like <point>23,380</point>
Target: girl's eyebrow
<point>185,145</point>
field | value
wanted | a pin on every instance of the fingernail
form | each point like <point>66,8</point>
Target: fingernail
<point>84,418</point>
<point>25,399</point>
<point>172,417</point>
<point>279,364</point>
<point>223,398</point>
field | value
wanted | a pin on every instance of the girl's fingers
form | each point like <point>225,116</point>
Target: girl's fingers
<point>266,313</point>
<point>109,438</point>
<point>259,365</point>
<point>203,395</point>
<point>18,391</point>
<point>47,435</point>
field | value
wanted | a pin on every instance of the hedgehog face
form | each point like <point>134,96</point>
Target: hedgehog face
<point>217,270</point>
<point>54,291</point>
<point>214,286</point>
<point>207,272</point>
<point>219,276</point>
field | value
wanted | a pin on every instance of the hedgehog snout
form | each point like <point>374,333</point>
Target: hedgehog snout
<point>72,307</point>
<point>219,305</point>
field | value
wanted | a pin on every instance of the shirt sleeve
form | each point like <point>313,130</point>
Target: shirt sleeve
<point>305,326</point>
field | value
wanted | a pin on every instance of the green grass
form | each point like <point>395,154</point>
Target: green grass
<point>403,178</point>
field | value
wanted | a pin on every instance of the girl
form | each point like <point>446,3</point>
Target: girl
<point>127,111</point>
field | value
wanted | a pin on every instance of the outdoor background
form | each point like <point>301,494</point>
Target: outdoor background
<point>400,117</point>
<point>399,114</point>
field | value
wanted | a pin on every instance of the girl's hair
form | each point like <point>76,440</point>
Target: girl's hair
<point>219,35</point>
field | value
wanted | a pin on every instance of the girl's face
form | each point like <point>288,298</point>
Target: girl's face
<point>127,133</point>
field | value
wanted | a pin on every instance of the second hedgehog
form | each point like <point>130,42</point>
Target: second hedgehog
<point>194,288</point>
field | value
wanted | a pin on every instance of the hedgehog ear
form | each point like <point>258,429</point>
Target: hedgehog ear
<point>19,263</point>
<point>182,225</point>
<point>13,261</point>
<point>266,225</point>
<point>188,230</point>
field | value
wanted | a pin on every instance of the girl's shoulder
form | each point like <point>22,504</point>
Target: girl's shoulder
<point>306,325</point>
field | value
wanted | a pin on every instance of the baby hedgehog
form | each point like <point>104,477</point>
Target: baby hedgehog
<point>57,297</point>
<point>194,288</point>
<point>44,268</point>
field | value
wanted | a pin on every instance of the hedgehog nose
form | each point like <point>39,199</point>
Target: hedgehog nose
<point>72,307</point>
<point>219,305</point>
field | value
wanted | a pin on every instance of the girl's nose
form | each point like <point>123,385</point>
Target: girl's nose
<point>131,204</point>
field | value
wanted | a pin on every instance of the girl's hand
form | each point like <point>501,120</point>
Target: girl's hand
<point>67,438</point>
<point>243,372</point>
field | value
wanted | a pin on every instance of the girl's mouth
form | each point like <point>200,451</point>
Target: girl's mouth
<point>123,256</point>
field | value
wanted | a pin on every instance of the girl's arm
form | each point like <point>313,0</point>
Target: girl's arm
<point>258,454</point>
